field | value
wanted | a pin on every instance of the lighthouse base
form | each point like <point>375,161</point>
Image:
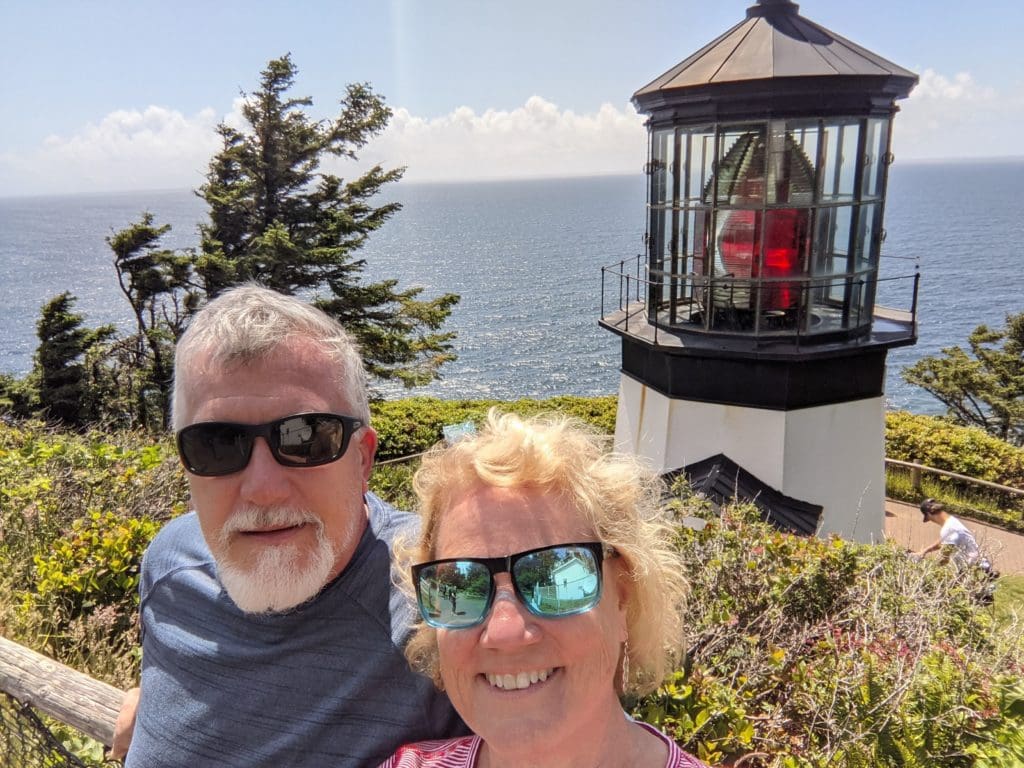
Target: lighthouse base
<point>831,455</point>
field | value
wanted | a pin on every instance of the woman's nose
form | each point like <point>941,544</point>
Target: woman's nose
<point>509,622</point>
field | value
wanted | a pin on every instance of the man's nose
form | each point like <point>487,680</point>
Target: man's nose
<point>264,481</point>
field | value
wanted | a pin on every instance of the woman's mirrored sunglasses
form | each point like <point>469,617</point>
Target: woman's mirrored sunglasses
<point>212,448</point>
<point>560,580</point>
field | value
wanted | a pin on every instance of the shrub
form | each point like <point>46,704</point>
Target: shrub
<point>806,653</point>
<point>967,451</point>
<point>76,511</point>
<point>94,566</point>
<point>970,451</point>
<point>412,425</point>
<point>393,483</point>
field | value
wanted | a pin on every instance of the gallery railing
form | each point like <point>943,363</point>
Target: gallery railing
<point>798,308</point>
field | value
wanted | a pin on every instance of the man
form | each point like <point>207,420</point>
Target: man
<point>272,632</point>
<point>953,534</point>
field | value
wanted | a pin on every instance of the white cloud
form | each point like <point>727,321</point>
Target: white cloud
<point>162,148</point>
<point>954,116</point>
<point>945,116</point>
<point>128,149</point>
<point>535,140</point>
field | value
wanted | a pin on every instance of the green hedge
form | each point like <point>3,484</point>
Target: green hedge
<point>935,442</point>
<point>810,653</point>
<point>412,425</point>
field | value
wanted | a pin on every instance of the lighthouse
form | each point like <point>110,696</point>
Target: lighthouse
<point>753,340</point>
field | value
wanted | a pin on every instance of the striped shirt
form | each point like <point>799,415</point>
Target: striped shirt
<point>462,753</point>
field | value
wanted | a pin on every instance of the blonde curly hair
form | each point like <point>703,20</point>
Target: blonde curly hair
<point>613,492</point>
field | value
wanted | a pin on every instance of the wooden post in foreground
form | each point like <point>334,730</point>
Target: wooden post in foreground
<point>59,691</point>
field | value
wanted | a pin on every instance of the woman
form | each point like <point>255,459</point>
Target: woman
<point>567,595</point>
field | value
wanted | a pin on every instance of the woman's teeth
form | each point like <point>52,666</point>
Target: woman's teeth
<point>519,680</point>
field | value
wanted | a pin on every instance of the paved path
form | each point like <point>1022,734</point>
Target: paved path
<point>1004,549</point>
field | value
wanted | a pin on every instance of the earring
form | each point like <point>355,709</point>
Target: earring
<point>625,665</point>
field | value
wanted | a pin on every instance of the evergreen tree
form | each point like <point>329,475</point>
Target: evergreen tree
<point>275,218</point>
<point>983,387</point>
<point>19,398</point>
<point>66,391</point>
<point>158,285</point>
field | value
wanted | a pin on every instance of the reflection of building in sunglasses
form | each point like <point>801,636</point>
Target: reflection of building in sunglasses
<point>213,448</point>
<point>553,581</point>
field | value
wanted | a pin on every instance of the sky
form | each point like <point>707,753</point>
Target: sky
<point>121,95</point>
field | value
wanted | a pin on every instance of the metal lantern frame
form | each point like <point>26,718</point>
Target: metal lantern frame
<point>834,286</point>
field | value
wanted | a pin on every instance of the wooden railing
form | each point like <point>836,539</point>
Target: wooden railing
<point>918,470</point>
<point>59,691</point>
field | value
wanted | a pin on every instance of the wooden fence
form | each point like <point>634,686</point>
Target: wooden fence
<point>917,471</point>
<point>59,691</point>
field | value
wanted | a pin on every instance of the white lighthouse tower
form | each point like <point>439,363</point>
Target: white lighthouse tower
<point>753,351</point>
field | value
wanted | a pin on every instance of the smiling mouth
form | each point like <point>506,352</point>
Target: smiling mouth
<point>271,533</point>
<point>520,680</point>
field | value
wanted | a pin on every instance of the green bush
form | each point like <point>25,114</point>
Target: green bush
<point>76,511</point>
<point>806,653</point>
<point>95,564</point>
<point>941,444</point>
<point>393,483</point>
<point>970,451</point>
<point>412,425</point>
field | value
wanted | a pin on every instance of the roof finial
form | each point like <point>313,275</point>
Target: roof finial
<point>770,7</point>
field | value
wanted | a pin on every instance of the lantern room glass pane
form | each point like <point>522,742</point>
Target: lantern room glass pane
<point>741,164</point>
<point>700,145</point>
<point>662,163</point>
<point>661,226</point>
<point>830,259</point>
<point>869,242</point>
<point>860,300</point>
<point>692,240</point>
<point>790,168</point>
<point>832,241</point>
<point>839,164</point>
<point>876,146</point>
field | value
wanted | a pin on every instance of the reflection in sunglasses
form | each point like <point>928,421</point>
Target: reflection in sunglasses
<point>554,581</point>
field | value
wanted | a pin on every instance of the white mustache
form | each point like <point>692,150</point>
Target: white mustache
<point>252,517</point>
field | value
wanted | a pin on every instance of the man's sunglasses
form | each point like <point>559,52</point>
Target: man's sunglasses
<point>212,448</point>
<point>559,580</point>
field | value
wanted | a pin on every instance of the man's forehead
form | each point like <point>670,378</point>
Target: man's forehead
<point>290,379</point>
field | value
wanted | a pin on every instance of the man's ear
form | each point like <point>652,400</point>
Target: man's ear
<point>366,442</point>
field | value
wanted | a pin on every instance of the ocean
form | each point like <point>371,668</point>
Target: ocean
<point>526,255</point>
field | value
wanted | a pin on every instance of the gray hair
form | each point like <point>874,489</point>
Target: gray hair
<point>248,323</point>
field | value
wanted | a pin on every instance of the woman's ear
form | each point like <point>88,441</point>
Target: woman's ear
<point>624,591</point>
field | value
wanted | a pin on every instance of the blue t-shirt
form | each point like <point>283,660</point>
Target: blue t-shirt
<point>324,685</point>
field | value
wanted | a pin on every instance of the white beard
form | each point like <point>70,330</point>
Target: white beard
<point>275,579</point>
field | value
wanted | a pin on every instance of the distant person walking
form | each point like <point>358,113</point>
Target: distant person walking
<point>953,534</point>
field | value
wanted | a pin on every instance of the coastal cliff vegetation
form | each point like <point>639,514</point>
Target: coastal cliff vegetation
<point>802,652</point>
